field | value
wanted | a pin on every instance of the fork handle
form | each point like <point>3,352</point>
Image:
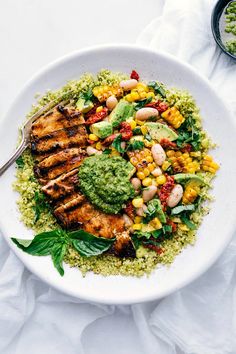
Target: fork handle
<point>23,145</point>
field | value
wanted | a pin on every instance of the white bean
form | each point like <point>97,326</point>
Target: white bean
<point>156,172</point>
<point>91,151</point>
<point>158,154</point>
<point>149,193</point>
<point>111,102</point>
<point>127,220</point>
<point>123,145</point>
<point>175,196</point>
<point>141,211</point>
<point>136,183</point>
<point>128,84</point>
<point>146,112</point>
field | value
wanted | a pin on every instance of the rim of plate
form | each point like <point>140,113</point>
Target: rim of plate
<point>204,266</point>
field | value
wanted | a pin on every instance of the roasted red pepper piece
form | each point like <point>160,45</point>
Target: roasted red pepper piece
<point>187,148</point>
<point>167,144</point>
<point>129,209</point>
<point>166,189</point>
<point>97,117</point>
<point>172,224</point>
<point>155,248</point>
<point>126,131</point>
<point>159,105</point>
<point>134,75</point>
<point>109,140</point>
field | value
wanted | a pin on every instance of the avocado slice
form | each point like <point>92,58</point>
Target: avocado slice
<point>159,131</point>
<point>84,106</point>
<point>121,112</point>
<point>187,177</point>
<point>101,129</point>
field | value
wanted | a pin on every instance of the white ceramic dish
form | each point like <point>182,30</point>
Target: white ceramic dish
<point>218,226</point>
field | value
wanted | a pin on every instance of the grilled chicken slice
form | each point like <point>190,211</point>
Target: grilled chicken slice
<point>59,163</point>
<point>62,186</point>
<point>60,139</point>
<point>82,214</point>
<point>58,119</point>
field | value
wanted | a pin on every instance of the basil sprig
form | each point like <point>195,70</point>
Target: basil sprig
<point>55,243</point>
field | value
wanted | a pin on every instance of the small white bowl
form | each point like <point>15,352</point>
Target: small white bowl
<point>217,228</point>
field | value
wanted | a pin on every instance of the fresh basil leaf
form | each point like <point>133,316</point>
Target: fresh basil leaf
<point>107,151</point>
<point>89,245</point>
<point>142,103</point>
<point>20,162</point>
<point>87,96</point>
<point>41,205</point>
<point>58,252</point>
<point>179,209</point>
<point>135,145</point>
<point>117,144</point>
<point>42,243</point>
<point>158,89</point>
<point>188,222</point>
<point>154,209</point>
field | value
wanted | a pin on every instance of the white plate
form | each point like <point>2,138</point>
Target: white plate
<point>218,226</point>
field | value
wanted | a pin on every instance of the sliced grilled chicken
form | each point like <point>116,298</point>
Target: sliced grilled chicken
<point>58,119</point>
<point>62,186</point>
<point>59,163</point>
<point>60,139</point>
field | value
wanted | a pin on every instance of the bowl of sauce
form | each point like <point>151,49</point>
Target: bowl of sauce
<point>223,24</point>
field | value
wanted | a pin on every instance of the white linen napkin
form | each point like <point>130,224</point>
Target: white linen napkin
<point>199,319</point>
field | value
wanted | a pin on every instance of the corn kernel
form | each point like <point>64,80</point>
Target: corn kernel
<point>134,95</point>
<point>137,219</point>
<point>137,227</point>
<point>149,158</point>
<point>115,153</point>
<point>129,98</point>
<point>99,146</point>
<point>147,182</point>
<point>142,87</point>
<point>141,175</point>
<point>93,137</point>
<point>150,167</point>
<point>150,94</point>
<point>183,227</point>
<point>161,179</point>
<point>99,109</point>
<point>142,95</point>
<point>132,124</point>
<point>139,122</point>
<point>144,130</point>
<point>134,161</point>
<point>165,165</point>
<point>156,223</point>
<point>146,172</point>
<point>137,202</point>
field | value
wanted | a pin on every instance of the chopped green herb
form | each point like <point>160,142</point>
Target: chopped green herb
<point>41,204</point>
<point>107,151</point>
<point>158,89</point>
<point>20,162</point>
<point>142,103</point>
<point>117,144</point>
<point>135,145</point>
<point>179,209</point>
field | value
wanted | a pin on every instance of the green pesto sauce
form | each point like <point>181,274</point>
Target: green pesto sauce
<point>230,28</point>
<point>106,181</point>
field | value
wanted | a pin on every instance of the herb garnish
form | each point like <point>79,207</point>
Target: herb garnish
<point>188,133</point>
<point>41,205</point>
<point>157,88</point>
<point>142,103</point>
<point>20,162</point>
<point>55,243</point>
<point>135,145</point>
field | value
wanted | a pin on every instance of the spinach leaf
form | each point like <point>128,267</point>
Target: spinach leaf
<point>142,103</point>
<point>52,243</point>
<point>137,131</point>
<point>179,209</point>
<point>89,245</point>
<point>106,151</point>
<point>117,144</point>
<point>41,205</point>
<point>135,145</point>
<point>20,162</point>
<point>188,222</point>
<point>158,89</point>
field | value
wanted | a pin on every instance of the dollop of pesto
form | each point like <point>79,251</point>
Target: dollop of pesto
<point>105,181</point>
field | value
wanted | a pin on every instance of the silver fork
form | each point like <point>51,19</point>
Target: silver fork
<point>26,129</point>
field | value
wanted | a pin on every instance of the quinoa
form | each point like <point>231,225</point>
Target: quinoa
<point>147,260</point>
